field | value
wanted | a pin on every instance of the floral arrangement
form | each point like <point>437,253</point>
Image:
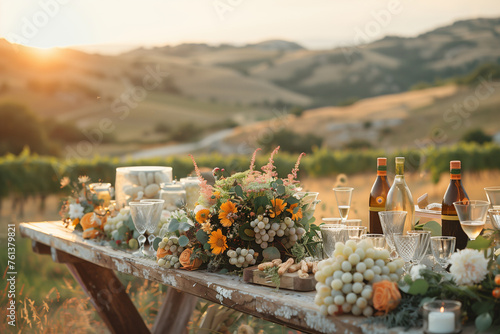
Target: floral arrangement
<point>78,203</point>
<point>83,210</point>
<point>473,279</point>
<point>242,219</point>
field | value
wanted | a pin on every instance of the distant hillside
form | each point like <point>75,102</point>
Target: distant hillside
<point>205,88</point>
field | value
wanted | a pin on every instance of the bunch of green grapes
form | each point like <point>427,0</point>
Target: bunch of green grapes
<point>171,245</point>
<point>169,261</point>
<point>242,257</point>
<point>345,280</point>
<point>266,231</point>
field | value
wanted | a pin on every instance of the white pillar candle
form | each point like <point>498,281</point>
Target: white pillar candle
<point>441,322</point>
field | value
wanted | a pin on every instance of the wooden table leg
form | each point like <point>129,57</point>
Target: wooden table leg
<point>175,312</point>
<point>107,294</point>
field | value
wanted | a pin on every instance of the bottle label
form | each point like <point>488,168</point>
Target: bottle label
<point>376,209</point>
<point>382,170</point>
<point>455,174</point>
<point>448,217</point>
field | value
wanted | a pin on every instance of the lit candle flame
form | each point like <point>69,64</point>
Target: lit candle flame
<point>441,309</point>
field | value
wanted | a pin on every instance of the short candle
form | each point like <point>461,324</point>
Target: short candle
<point>441,322</point>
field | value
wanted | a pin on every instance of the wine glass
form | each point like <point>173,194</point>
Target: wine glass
<point>392,222</point>
<point>472,216</point>
<point>343,196</point>
<point>331,234</point>
<point>406,245</point>
<point>493,194</point>
<point>424,239</point>
<point>442,248</point>
<point>378,240</point>
<point>153,221</point>
<point>140,213</point>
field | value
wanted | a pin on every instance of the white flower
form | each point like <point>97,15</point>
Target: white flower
<point>75,211</point>
<point>415,271</point>
<point>468,266</point>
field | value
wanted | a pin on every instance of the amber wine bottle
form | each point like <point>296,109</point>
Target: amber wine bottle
<point>378,195</point>
<point>399,197</point>
<point>454,193</point>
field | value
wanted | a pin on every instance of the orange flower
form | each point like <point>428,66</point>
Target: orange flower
<point>217,242</point>
<point>278,207</point>
<point>185,260</point>
<point>202,216</point>
<point>162,252</point>
<point>295,216</point>
<point>386,296</point>
<point>75,221</point>
<point>228,209</point>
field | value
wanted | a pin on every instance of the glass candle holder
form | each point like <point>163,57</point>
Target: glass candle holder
<point>442,316</point>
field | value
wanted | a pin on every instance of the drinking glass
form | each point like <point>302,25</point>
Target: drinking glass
<point>355,232</point>
<point>424,239</point>
<point>392,222</point>
<point>495,218</point>
<point>329,221</point>
<point>343,196</point>
<point>442,249</point>
<point>140,213</point>
<point>406,245</point>
<point>153,220</point>
<point>377,240</point>
<point>331,234</point>
<point>472,216</point>
<point>352,222</point>
<point>493,194</point>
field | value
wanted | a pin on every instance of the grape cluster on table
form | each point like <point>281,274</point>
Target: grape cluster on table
<point>345,280</point>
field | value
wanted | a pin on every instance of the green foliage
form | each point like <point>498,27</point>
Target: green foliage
<point>271,253</point>
<point>358,144</point>
<point>476,136</point>
<point>273,276</point>
<point>290,142</point>
<point>20,127</point>
<point>32,175</point>
<point>432,226</point>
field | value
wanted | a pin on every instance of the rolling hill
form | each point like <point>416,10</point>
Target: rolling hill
<point>207,88</point>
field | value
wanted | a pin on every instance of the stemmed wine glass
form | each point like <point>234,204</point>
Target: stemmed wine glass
<point>406,245</point>
<point>472,216</point>
<point>392,222</point>
<point>442,249</point>
<point>141,213</point>
<point>343,196</point>
<point>424,239</point>
<point>153,220</point>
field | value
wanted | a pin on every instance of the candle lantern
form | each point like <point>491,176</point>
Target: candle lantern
<point>442,316</point>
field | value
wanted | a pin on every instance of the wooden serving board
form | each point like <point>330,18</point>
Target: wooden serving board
<point>289,281</point>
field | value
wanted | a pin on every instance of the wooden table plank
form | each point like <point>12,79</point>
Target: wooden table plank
<point>292,309</point>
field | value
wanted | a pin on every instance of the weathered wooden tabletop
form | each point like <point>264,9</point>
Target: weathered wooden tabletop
<point>293,309</point>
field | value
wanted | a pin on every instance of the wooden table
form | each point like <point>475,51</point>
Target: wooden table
<point>92,266</point>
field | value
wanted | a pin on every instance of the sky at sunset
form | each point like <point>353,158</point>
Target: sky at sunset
<point>114,25</point>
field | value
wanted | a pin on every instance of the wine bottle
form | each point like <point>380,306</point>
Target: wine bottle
<point>378,195</point>
<point>449,218</point>
<point>399,197</point>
